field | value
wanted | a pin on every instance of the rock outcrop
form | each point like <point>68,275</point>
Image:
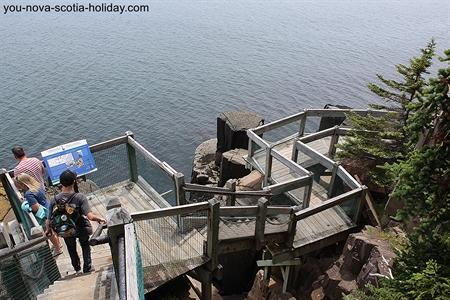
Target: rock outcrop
<point>365,258</point>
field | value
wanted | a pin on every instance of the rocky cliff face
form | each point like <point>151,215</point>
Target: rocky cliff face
<point>364,259</point>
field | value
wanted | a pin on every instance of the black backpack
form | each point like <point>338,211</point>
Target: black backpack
<point>65,219</point>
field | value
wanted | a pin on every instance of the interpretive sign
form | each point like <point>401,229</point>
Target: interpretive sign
<point>75,156</point>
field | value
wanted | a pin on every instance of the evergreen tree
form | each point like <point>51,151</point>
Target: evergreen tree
<point>422,269</point>
<point>424,179</point>
<point>377,141</point>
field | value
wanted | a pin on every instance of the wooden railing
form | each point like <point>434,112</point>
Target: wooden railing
<point>300,145</point>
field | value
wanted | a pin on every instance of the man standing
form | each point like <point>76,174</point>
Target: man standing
<point>80,203</point>
<point>32,166</point>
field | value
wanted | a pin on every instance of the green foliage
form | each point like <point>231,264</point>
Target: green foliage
<point>424,179</point>
<point>422,269</point>
<point>380,141</point>
<point>429,284</point>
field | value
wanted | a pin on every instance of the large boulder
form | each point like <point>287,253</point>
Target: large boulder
<point>231,130</point>
<point>233,165</point>
<point>204,170</point>
<point>365,258</point>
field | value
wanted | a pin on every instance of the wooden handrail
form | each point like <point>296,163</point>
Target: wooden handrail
<point>162,165</point>
<point>315,113</point>
<point>328,203</point>
<point>169,211</point>
<point>191,187</point>
<point>315,155</point>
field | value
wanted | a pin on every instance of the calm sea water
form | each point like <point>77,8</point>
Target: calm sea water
<point>166,74</point>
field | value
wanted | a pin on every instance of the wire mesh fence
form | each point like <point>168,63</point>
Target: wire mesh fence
<point>171,245</point>
<point>156,178</point>
<point>112,166</point>
<point>28,273</point>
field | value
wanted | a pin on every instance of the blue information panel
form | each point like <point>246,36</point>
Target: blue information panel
<point>74,156</point>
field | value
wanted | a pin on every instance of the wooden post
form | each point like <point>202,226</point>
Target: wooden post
<point>267,269</point>
<point>260,223</point>
<point>291,230</point>
<point>301,130</point>
<point>212,234</point>
<point>131,262</point>
<point>294,155</point>
<point>333,142</point>
<point>132,159</point>
<point>180,194</point>
<point>117,217</point>
<point>370,209</point>
<point>307,193</point>
<point>288,274</point>
<point>359,205</point>
<point>268,170</point>
<point>231,185</point>
<point>251,151</point>
<point>332,187</point>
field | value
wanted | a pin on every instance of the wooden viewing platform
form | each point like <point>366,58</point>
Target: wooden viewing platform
<point>152,242</point>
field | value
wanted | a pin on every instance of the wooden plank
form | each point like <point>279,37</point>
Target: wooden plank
<point>329,203</point>
<point>108,144</point>
<point>287,185</point>
<point>131,262</point>
<point>169,211</point>
<point>238,211</point>
<point>315,155</point>
<point>279,123</point>
<point>347,178</point>
<point>257,139</point>
<point>269,263</point>
<point>342,112</point>
<point>318,135</point>
<point>370,211</point>
<point>150,156</point>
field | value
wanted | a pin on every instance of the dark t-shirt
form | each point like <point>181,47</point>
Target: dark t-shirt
<point>39,197</point>
<point>82,206</point>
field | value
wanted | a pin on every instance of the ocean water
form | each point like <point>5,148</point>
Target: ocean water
<point>167,73</point>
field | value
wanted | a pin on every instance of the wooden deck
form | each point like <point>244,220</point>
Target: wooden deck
<point>168,251</point>
<point>132,196</point>
<point>315,229</point>
<point>135,197</point>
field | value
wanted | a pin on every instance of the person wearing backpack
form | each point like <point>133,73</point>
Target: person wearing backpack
<point>69,216</point>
